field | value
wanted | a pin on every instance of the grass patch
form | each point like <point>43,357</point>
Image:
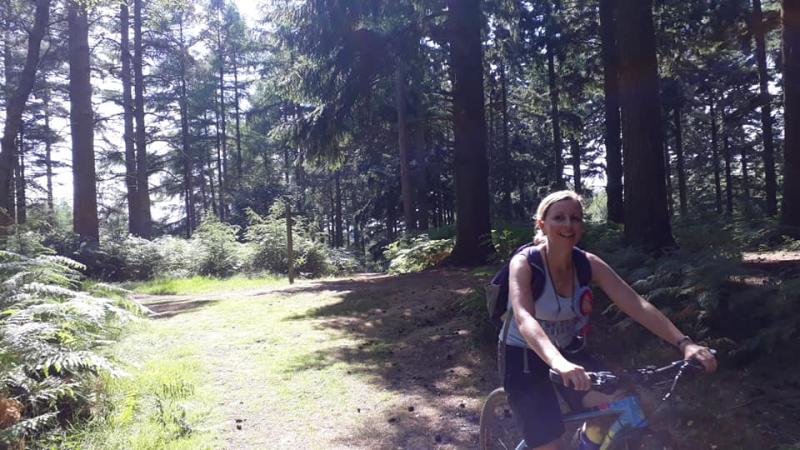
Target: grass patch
<point>204,285</point>
<point>162,404</point>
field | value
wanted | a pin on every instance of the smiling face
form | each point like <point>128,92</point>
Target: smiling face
<point>563,222</point>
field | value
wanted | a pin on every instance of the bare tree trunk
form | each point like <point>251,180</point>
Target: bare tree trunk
<point>715,155</point>
<point>128,113</point>
<point>220,182</point>
<point>668,180</point>
<point>289,244</point>
<point>19,178</point>
<point>406,185</point>
<point>239,170</point>
<point>558,158</point>
<point>726,146</point>
<point>142,183</point>
<point>81,119</point>
<point>224,180</point>
<point>613,143</point>
<point>505,179</point>
<point>187,156</point>
<point>771,188</point>
<point>745,173</point>
<point>790,209</point>
<point>681,163</point>
<point>647,221</point>
<point>48,148</point>
<point>576,163</point>
<point>338,221</point>
<point>473,227</point>
<point>15,104</point>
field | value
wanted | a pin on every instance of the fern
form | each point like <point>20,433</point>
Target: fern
<point>50,331</point>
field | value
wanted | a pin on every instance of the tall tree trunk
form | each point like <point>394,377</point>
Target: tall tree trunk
<point>339,219</point>
<point>289,243</point>
<point>614,188</point>
<point>48,148</point>
<point>558,158</point>
<point>715,155</point>
<point>759,31</point>
<point>420,174</point>
<point>224,180</point>
<point>668,181</point>
<point>505,179</point>
<point>15,104</point>
<point>726,146</point>
<point>406,185</point>
<point>680,162</point>
<point>142,184</point>
<point>745,173</point>
<point>221,191</point>
<point>239,170</point>
<point>187,155</point>
<point>128,113</point>
<point>646,216</point>
<point>81,119</point>
<point>473,228</point>
<point>576,163</point>
<point>790,208</point>
<point>19,178</point>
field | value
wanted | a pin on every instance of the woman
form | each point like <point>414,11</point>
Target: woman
<point>539,337</point>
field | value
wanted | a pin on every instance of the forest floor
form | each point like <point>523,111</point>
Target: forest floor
<point>394,362</point>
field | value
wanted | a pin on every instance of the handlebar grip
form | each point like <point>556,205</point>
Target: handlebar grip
<point>555,377</point>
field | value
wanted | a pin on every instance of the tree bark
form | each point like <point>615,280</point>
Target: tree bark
<point>224,180</point>
<point>790,208</point>
<point>745,173</point>
<point>726,146</point>
<point>128,113</point>
<point>48,148</point>
<point>406,185</point>
<point>680,162</point>
<point>715,155</point>
<point>239,170</point>
<point>142,184</point>
<point>81,119</point>
<point>15,104</point>
<point>576,163</point>
<point>614,188</point>
<point>506,172</point>
<point>338,221</point>
<point>759,31</point>
<point>647,221</point>
<point>19,179</point>
<point>186,151</point>
<point>473,228</point>
<point>558,158</point>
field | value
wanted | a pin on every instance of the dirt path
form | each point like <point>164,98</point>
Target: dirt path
<point>368,362</point>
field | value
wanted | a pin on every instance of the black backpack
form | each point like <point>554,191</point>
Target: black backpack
<point>497,289</point>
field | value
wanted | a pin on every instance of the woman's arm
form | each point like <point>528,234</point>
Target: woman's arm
<point>646,314</point>
<point>521,295</point>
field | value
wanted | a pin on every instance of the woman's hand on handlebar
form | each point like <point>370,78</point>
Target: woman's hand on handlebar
<point>573,375</point>
<point>701,354</point>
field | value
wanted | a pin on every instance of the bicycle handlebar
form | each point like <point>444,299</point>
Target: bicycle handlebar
<point>642,375</point>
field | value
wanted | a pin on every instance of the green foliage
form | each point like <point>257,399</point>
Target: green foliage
<point>50,334</point>
<point>416,253</point>
<point>508,239</point>
<point>267,235</point>
<point>219,253</point>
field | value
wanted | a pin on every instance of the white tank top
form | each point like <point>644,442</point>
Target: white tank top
<point>558,323</point>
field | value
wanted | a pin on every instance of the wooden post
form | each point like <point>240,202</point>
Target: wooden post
<point>289,247</point>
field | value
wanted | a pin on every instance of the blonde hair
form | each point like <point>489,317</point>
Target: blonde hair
<point>546,203</point>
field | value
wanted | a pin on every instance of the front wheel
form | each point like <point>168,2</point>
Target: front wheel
<point>643,439</point>
<point>498,430</point>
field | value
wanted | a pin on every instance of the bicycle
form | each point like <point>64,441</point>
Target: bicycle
<point>630,431</point>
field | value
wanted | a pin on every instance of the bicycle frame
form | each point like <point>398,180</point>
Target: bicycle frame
<point>629,415</point>
<point>628,411</point>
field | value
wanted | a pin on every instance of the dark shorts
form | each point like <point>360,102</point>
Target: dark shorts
<point>532,396</point>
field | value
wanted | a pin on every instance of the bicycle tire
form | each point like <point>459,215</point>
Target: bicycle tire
<point>645,439</point>
<point>498,429</point>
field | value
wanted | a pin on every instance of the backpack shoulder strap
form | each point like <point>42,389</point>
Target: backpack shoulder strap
<point>536,262</point>
<point>582,266</point>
